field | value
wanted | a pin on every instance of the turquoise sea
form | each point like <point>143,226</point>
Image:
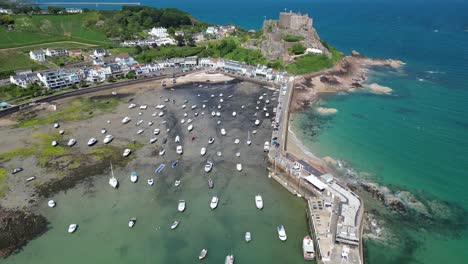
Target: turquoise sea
<point>414,140</point>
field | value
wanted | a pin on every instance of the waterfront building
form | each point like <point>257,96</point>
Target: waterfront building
<point>60,78</point>
<point>23,78</point>
<point>191,61</point>
<point>99,53</point>
<point>211,31</point>
<point>159,32</point>
<point>96,75</point>
<point>56,52</point>
<point>37,55</point>
<point>74,10</point>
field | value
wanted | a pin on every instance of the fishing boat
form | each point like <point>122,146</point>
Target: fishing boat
<point>236,141</point>
<point>125,120</point>
<point>156,131</point>
<point>190,127</point>
<point>208,166</point>
<point>223,131</point>
<point>160,168</point>
<point>103,131</point>
<point>132,222</point>
<point>61,132</point>
<point>239,167</point>
<point>150,182</point>
<point>56,125</point>
<point>140,131</point>
<point>72,228</point>
<point>131,106</point>
<point>282,233</point>
<point>127,152</point>
<point>211,140</point>
<point>51,203</point>
<point>229,259</point>
<point>259,201</point>
<point>162,151</point>
<point>210,183</point>
<point>203,151</point>
<point>71,142</point>
<point>257,122</point>
<point>248,142</point>
<point>308,248</point>
<point>177,139</point>
<point>234,113</point>
<point>108,139</point>
<point>181,205</point>
<point>248,237</point>
<point>152,140</point>
<point>179,150</point>
<point>214,202</point>
<point>174,164</point>
<point>134,176</point>
<point>54,143</point>
<point>174,225</point>
<point>113,181</point>
<point>92,141</point>
<point>202,254</point>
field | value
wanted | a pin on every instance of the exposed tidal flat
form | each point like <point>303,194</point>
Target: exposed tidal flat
<point>102,213</point>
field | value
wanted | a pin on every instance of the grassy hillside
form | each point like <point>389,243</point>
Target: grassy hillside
<point>37,29</point>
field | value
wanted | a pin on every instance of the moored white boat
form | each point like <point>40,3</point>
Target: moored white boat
<point>236,141</point>
<point>181,205</point>
<point>177,139</point>
<point>140,131</point>
<point>132,222</point>
<point>131,106</point>
<point>56,125</point>
<point>125,120</point>
<point>54,143</point>
<point>229,259</point>
<point>223,131</point>
<point>127,152</point>
<point>72,228</point>
<point>203,151</point>
<point>259,201</point>
<point>211,140</point>
<point>150,182</point>
<point>182,121</point>
<point>103,131</point>
<point>214,202</point>
<point>51,203</point>
<point>179,150</point>
<point>248,142</point>
<point>282,233</point>
<point>156,131</point>
<point>190,127</point>
<point>266,146</point>
<point>210,183</point>
<point>31,178</point>
<point>234,113</point>
<point>152,140</point>
<point>108,139</point>
<point>177,183</point>
<point>92,141</point>
<point>208,166</point>
<point>308,248</point>
<point>174,225</point>
<point>248,237</point>
<point>162,151</point>
<point>61,132</point>
<point>257,122</point>
<point>202,254</point>
<point>133,176</point>
<point>113,181</point>
<point>239,166</point>
<point>71,142</point>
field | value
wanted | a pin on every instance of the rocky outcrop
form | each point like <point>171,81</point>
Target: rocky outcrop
<point>17,228</point>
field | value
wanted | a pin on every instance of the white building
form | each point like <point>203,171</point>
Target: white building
<point>314,51</point>
<point>56,79</point>
<point>74,10</point>
<point>211,31</point>
<point>23,78</point>
<point>99,53</point>
<point>37,55</point>
<point>159,32</point>
<point>56,52</point>
<point>96,75</point>
<point>6,11</point>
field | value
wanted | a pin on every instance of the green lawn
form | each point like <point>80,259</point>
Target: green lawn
<point>12,60</point>
<point>312,63</point>
<point>39,29</point>
<point>292,38</point>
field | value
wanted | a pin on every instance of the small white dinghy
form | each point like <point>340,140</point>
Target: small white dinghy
<point>248,237</point>
<point>211,140</point>
<point>133,177</point>
<point>282,233</point>
<point>177,139</point>
<point>236,141</point>
<point>152,140</point>
<point>156,131</point>
<point>54,143</point>
<point>223,131</point>
<point>72,228</point>
<point>56,125</point>
<point>229,259</point>
<point>179,150</point>
<point>150,182</point>
<point>259,201</point>
<point>203,254</point>
<point>234,113</point>
<point>239,167</point>
<point>140,131</point>
<point>113,181</point>
<point>71,142</point>
<point>174,225</point>
<point>203,151</point>
<point>190,127</point>
<point>61,132</point>
<point>126,152</point>
<point>92,141</point>
<point>132,222</point>
<point>162,151</point>
<point>103,131</point>
<point>214,202</point>
<point>51,203</point>
<point>181,206</point>
<point>257,122</point>
<point>177,183</point>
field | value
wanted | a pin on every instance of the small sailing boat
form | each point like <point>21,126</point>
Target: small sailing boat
<point>214,202</point>
<point>208,166</point>
<point>239,167</point>
<point>177,183</point>
<point>51,203</point>
<point>210,183</point>
<point>258,201</point>
<point>181,205</point>
<point>126,152</point>
<point>108,139</point>
<point>132,222</point>
<point>150,182</point>
<point>282,233</point>
<point>134,176</point>
<point>72,228</point>
<point>248,138</point>
<point>248,237</point>
<point>113,181</point>
<point>229,259</point>
<point>174,225</point>
<point>203,151</point>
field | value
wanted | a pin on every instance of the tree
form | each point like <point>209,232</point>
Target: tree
<point>131,75</point>
<point>138,49</point>
<point>6,20</point>
<point>180,41</point>
<point>83,83</point>
<point>297,49</point>
<point>190,41</point>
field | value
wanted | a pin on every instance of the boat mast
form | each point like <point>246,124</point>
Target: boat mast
<point>112,171</point>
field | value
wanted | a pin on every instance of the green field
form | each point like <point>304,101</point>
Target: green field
<point>311,63</point>
<point>14,60</point>
<point>37,29</point>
